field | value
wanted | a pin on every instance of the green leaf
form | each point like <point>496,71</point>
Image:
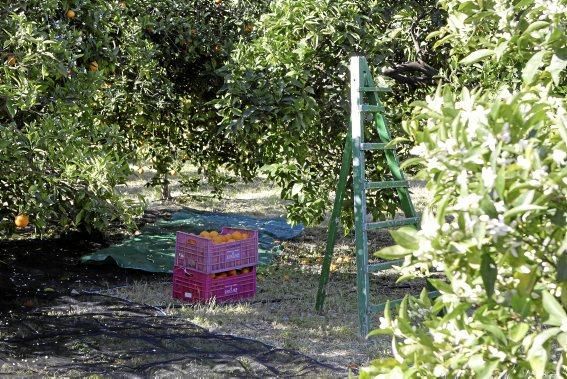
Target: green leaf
<point>380,332</point>
<point>79,217</point>
<point>522,209</point>
<point>519,331</point>
<point>392,252</point>
<point>556,67</point>
<point>556,312</point>
<point>536,26</point>
<point>476,56</point>
<point>537,355</point>
<point>10,108</point>
<point>537,361</point>
<point>532,66</point>
<point>486,371</point>
<point>488,271</point>
<point>296,189</point>
<point>406,237</point>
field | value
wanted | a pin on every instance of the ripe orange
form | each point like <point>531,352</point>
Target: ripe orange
<point>232,273</point>
<point>93,66</point>
<point>70,14</point>
<point>236,236</point>
<point>11,60</point>
<point>217,240</point>
<point>246,270</point>
<point>214,233</point>
<point>221,275</point>
<point>22,221</point>
<point>205,234</point>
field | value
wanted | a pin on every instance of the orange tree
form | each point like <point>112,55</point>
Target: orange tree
<point>285,103</point>
<point>88,87</point>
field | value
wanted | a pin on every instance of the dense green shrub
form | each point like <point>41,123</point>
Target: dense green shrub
<point>492,144</point>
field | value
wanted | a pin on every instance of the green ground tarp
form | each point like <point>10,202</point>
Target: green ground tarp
<point>154,249</point>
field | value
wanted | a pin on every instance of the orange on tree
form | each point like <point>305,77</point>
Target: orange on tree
<point>70,14</point>
<point>11,60</point>
<point>248,28</point>
<point>93,66</point>
<point>22,220</point>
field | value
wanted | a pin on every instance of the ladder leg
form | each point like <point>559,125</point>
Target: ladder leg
<point>334,223</point>
<point>358,71</point>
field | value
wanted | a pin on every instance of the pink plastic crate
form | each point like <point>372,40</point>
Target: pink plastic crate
<point>193,286</point>
<point>201,254</point>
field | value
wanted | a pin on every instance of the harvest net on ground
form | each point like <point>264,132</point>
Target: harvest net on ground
<point>91,334</point>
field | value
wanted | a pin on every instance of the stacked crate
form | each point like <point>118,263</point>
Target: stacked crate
<point>207,267</point>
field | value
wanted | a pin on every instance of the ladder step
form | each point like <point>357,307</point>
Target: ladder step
<point>370,108</point>
<point>384,265</point>
<point>386,184</point>
<point>377,308</point>
<point>375,146</point>
<point>375,89</point>
<point>391,223</point>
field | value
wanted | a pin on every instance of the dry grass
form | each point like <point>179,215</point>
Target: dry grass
<point>282,313</point>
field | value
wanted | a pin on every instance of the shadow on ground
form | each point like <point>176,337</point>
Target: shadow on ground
<point>51,324</point>
<point>91,334</point>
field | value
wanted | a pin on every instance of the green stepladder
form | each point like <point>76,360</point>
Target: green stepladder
<point>362,84</point>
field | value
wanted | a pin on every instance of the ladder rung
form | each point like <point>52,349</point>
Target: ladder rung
<point>377,308</point>
<point>383,265</point>
<point>375,89</point>
<point>391,223</point>
<point>370,108</point>
<point>386,184</point>
<point>376,146</point>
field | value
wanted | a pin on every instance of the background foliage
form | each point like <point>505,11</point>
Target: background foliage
<point>285,101</point>
<point>83,94</point>
<point>228,86</point>
<point>492,145</point>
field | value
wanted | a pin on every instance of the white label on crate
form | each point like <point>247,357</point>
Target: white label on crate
<point>231,290</point>
<point>232,255</point>
<point>188,295</point>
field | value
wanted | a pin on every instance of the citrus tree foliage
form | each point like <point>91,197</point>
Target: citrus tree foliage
<point>88,87</point>
<point>492,144</point>
<point>58,161</point>
<point>285,103</point>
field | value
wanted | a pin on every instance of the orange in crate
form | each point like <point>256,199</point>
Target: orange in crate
<point>212,253</point>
